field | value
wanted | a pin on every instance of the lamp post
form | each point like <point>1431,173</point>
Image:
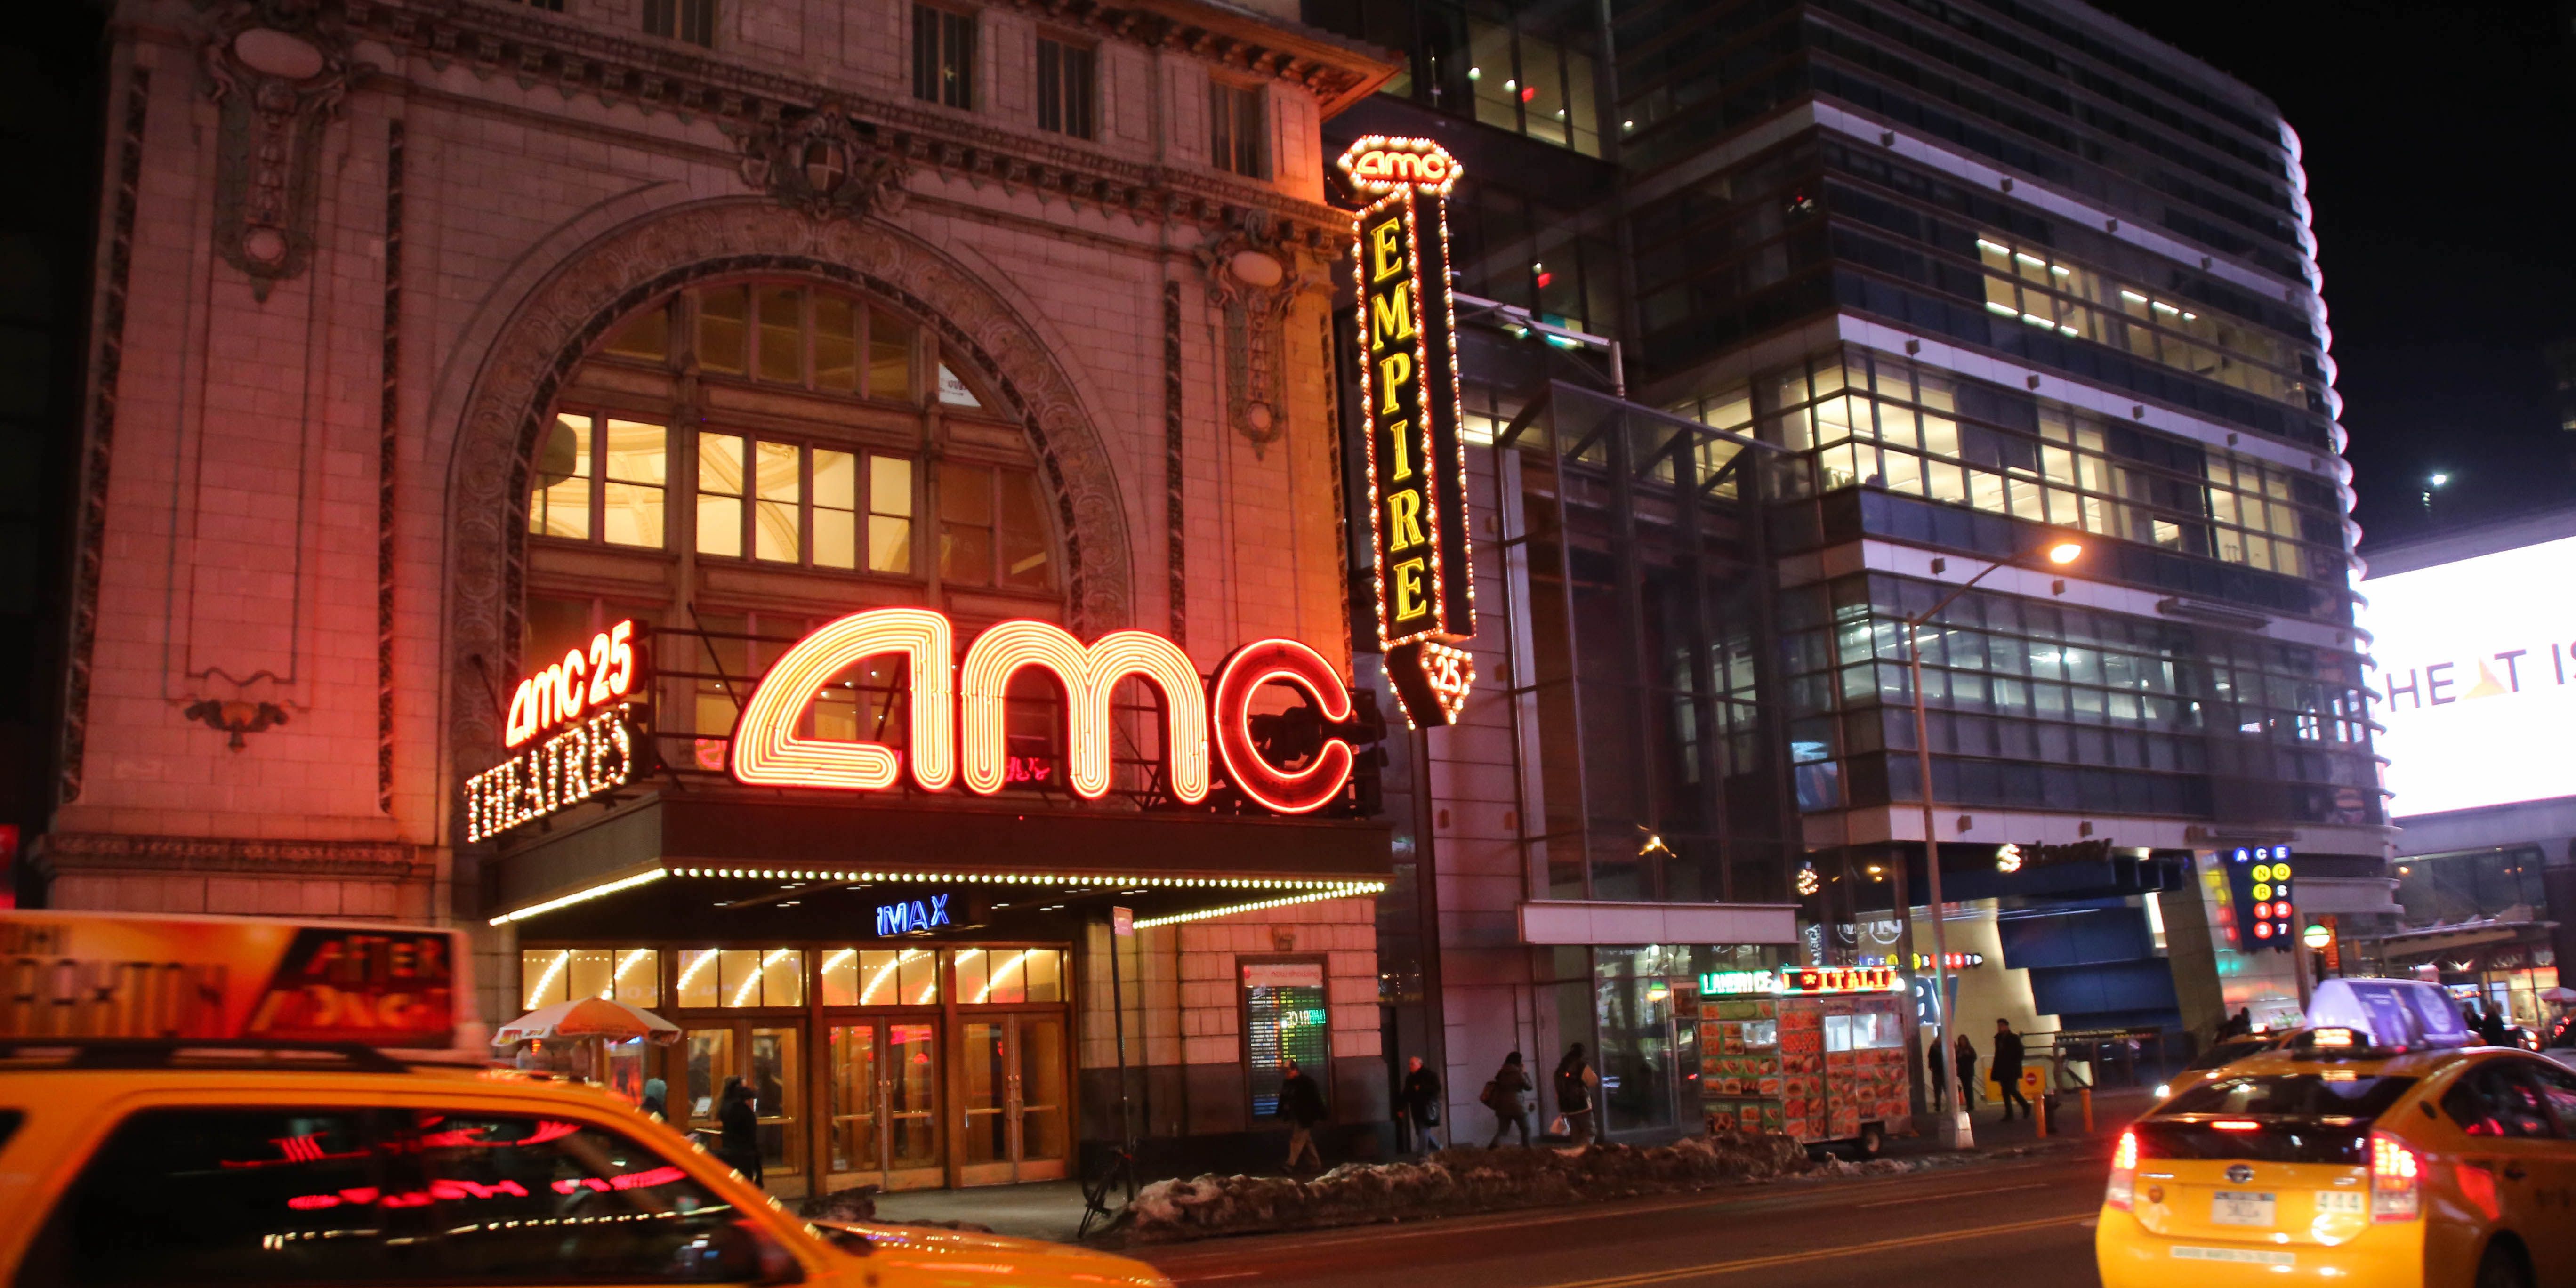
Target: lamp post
<point>1955,1131</point>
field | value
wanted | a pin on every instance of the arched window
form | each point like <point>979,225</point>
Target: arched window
<point>745,459</point>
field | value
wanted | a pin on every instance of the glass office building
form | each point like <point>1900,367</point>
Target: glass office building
<point>1972,277</point>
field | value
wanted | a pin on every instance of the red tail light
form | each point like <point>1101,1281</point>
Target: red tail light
<point>2396,1193</point>
<point>2124,1173</point>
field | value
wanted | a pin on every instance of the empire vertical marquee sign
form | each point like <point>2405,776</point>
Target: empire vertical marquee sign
<point>1409,410</point>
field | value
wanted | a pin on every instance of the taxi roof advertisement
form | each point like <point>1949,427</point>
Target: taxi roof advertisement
<point>247,979</point>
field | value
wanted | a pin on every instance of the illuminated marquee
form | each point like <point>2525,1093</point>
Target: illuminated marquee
<point>1839,979</point>
<point>1409,411</point>
<point>1799,982</point>
<point>965,709</point>
<point>592,746</point>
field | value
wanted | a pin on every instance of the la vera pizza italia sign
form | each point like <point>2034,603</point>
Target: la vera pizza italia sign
<point>1409,411</point>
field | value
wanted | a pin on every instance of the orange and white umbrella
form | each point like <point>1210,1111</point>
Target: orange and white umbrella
<point>587,1017</point>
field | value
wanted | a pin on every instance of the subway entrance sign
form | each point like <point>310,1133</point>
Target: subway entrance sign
<point>1409,410</point>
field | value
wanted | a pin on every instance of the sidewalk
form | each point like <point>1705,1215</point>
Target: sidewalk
<point>2113,1108</point>
<point>1052,1210</point>
<point>1039,1210</point>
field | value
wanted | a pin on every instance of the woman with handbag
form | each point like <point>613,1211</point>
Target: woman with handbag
<point>1577,1088</point>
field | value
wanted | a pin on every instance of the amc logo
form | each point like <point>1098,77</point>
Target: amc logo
<point>1379,164</point>
<point>957,709</point>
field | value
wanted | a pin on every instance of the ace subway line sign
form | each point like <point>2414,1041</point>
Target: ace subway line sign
<point>1409,410</point>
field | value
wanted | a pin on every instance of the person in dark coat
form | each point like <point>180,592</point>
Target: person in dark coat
<point>1301,1102</point>
<point>1503,1096</point>
<point>1964,1060</point>
<point>2008,1060</point>
<point>1935,1073</point>
<point>1576,1083</point>
<point>2492,1029</point>
<point>739,1145</point>
<point>1418,1100</point>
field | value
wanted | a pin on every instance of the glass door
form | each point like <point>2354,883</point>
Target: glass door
<point>1044,1142</point>
<point>913,1158</point>
<point>767,1061</point>
<point>707,1060</point>
<point>857,1132</point>
<point>884,1099</point>
<point>776,1077</point>
<point>1013,1118</point>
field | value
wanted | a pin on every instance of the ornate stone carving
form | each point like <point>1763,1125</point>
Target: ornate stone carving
<point>279,71</point>
<point>818,162</point>
<point>1255,275</point>
<point>537,349</point>
<point>236,718</point>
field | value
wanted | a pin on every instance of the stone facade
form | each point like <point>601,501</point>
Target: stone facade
<point>351,250</point>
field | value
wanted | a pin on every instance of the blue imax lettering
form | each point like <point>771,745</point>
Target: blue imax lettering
<point>920,914</point>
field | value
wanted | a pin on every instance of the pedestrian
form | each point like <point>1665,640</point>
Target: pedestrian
<point>1503,1096</point>
<point>2239,1025</point>
<point>1965,1061</point>
<point>1935,1074</point>
<point>739,1145</point>
<point>1419,1101</point>
<point>654,1090</point>
<point>2008,1069</point>
<point>2492,1030</point>
<point>1577,1085</point>
<point>1301,1102</point>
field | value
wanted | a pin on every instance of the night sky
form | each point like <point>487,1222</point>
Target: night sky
<point>2441,155</point>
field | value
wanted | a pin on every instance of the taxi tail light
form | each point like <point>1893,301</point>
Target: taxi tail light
<point>2124,1173</point>
<point>2396,1191</point>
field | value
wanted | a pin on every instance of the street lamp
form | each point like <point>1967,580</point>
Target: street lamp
<point>2432,484</point>
<point>2061,551</point>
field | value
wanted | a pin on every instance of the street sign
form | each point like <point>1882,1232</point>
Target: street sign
<point>1122,922</point>
<point>2258,883</point>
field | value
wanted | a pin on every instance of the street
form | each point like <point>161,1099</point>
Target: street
<point>2027,1222</point>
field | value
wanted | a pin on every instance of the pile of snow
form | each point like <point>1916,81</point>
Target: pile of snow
<point>1457,1181</point>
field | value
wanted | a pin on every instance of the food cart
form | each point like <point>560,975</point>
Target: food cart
<point>1816,1054</point>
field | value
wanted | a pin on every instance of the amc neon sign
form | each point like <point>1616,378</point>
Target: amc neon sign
<point>957,730</point>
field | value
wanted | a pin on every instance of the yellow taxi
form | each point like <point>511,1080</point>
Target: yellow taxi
<point>276,1102</point>
<point>158,1163</point>
<point>2340,1160</point>
<point>2210,1063</point>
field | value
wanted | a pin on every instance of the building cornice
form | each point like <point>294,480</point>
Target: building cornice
<point>536,48</point>
<point>59,853</point>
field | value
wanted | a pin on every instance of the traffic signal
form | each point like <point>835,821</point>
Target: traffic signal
<point>2258,880</point>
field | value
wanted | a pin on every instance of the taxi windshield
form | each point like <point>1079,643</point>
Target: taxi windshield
<point>2330,1094</point>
